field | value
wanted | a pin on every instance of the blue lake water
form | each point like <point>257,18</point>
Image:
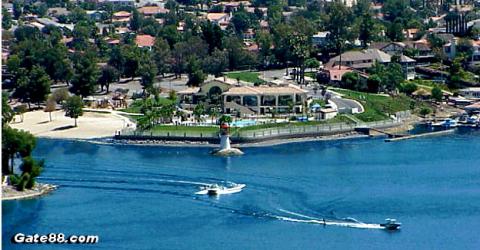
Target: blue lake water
<point>142,197</point>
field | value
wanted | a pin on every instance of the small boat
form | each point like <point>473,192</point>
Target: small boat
<point>215,189</point>
<point>472,119</point>
<point>391,224</point>
<point>448,123</point>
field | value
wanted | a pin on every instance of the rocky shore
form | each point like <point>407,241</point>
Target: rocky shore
<point>11,193</point>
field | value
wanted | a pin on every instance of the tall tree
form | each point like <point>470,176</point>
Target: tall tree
<point>15,144</point>
<point>216,63</point>
<point>39,85</point>
<point>136,20</point>
<point>212,34</point>
<point>86,76</point>
<point>73,107</point>
<point>6,19</point>
<point>148,71</point>
<point>50,106</point>
<point>33,86</point>
<point>162,56</point>
<point>109,74</point>
<point>337,21</point>
<point>17,9</point>
<point>7,112</point>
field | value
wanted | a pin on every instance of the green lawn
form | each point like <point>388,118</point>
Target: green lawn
<point>186,129</point>
<point>337,119</point>
<point>208,130</point>
<point>429,84</point>
<point>377,107</point>
<point>246,76</point>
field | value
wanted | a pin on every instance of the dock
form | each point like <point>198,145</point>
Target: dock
<point>420,135</point>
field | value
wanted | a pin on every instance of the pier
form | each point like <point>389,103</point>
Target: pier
<point>405,137</point>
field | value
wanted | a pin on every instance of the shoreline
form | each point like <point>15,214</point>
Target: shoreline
<point>40,189</point>
<point>273,142</point>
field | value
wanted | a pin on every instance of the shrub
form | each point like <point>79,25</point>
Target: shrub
<point>30,183</point>
<point>425,111</point>
<point>23,182</point>
<point>14,179</point>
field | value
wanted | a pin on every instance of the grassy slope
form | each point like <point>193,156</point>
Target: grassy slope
<point>377,107</point>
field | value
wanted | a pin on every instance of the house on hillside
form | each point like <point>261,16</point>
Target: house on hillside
<point>360,60</point>
<point>219,18</point>
<point>121,17</point>
<point>151,11</point>
<point>119,3</point>
<point>332,75</point>
<point>408,67</point>
<point>470,93</point>
<point>450,50</point>
<point>145,41</point>
<point>320,39</point>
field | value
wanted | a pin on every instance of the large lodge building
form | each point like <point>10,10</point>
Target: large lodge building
<point>242,99</point>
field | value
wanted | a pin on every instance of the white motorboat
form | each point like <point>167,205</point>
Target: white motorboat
<point>447,123</point>
<point>216,189</point>
<point>473,119</point>
<point>391,224</point>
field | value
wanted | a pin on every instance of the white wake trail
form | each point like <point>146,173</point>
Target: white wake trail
<point>313,220</point>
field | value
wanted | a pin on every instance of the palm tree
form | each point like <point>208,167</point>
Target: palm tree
<point>198,112</point>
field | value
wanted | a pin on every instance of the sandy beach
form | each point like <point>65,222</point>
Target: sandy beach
<point>90,125</point>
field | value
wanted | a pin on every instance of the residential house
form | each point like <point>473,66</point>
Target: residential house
<point>422,49</point>
<point>360,60</point>
<point>470,93</point>
<point>145,41</point>
<point>249,34</point>
<point>121,17</point>
<point>95,15</point>
<point>220,19</point>
<point>46,21</point>
<point>333,75</point>
<point>408,67</point>
<point>320,39</point>
<point>120,3</point>
<point>450,50</point>
<point>56,12</point>
<point>151,11</point>
<point>411,33</point>
<point>476,53</point>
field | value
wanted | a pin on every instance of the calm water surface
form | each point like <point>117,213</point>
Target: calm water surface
<point>142,197</point>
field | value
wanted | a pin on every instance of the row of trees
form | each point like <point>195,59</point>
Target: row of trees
<point>18,144</point>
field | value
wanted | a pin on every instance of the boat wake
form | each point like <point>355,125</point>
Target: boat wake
<point>347,222</point>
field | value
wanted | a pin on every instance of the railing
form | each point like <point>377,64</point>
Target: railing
<point>265,133</point>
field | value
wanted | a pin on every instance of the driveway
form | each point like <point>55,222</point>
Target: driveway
<point>348,104</point>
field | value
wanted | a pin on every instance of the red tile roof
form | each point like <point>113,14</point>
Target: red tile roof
<point>145,40</point>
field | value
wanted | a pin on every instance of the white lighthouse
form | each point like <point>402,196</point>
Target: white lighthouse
<point>225,149</point>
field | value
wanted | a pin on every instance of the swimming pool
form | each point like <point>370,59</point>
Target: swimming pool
<point>243,123</point>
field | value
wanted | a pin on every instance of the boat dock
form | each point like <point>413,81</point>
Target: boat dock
<point>441,132</point>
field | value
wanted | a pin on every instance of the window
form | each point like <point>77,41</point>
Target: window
<point>268,100</point>
<point>285,100</point>
<point>250,100</point>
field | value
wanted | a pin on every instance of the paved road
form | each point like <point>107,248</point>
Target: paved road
<point>343,103</point>
<point>340,102</point>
